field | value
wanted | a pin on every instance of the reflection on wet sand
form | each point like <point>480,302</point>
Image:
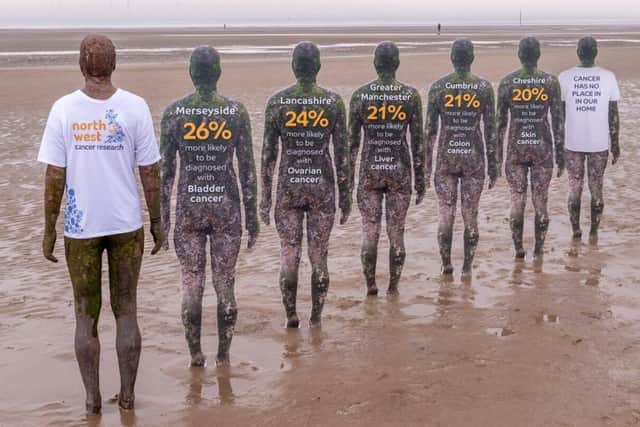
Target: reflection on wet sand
<point>445,296</point>
<point>292,343</point>
<point>588,260</point>
<point>550,318</point>
<point>317,338</point>
<point>371,306</point>
<point>196,382</point>
<point>300,343</point>
<point>128,418</point>
<point>594,277</point>
<point>211,386</point>
<point>500,332</point>
<point>225,391</point>
<point>536,265</point>
<point>516,275</point>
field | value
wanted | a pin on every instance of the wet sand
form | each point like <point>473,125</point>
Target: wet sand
<point>520,345</point>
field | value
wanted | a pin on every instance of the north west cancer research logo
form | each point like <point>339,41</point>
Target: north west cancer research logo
<point>97,131</point>
<point>116,134</point>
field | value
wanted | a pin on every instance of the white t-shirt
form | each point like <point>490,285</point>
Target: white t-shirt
<point>587,92</point>
<point>100,142</point>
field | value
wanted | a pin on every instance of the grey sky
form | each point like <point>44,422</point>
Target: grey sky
<point>89,13</point>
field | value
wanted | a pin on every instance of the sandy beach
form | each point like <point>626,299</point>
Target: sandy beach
<point>519,345</point>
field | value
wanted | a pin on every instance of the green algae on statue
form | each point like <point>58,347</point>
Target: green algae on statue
<point>386,109</point>
<point>529,106</point>
<point>304,120</point>
<point>206,130</point>
<point>94,166</point>
<point>457,106</point>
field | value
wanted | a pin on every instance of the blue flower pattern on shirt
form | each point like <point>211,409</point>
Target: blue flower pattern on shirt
<point>116,133</point>
<point>72,215</point>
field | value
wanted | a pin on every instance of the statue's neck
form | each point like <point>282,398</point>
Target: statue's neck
<point>387,77</point>
<point>206,93</point>
<point>98,87</point>
<point>463,72</point>
<point>307,84</point>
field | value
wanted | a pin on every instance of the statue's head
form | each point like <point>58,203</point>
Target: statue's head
<point>386,58</point>
<point>462,54</point>
<point>587,50</point>
<point>204,67</point>
<point>97,56</point>
<point>306,61</point>
<point>529,52</point>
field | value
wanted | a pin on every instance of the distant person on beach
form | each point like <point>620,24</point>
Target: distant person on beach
<point>458,105</point>
<point>304,120</point>
<point>439,28</point>
<point>525,99</point>
<point>387,160</point>
<point>93,140</point>
<point>590,97</point>
<point>206,130</point>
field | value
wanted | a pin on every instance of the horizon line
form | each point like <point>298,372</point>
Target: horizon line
<point>223,26</point>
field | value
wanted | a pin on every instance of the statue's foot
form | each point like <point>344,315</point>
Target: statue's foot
<point>126,402</point>
<point>467,269</point>
<point>198,360</point>
<point>315,321</point>
<point>538,255</point>
<point>94,405</point>
<point>223,360</point>
<point>293,321</point>
<point>447,269</point>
